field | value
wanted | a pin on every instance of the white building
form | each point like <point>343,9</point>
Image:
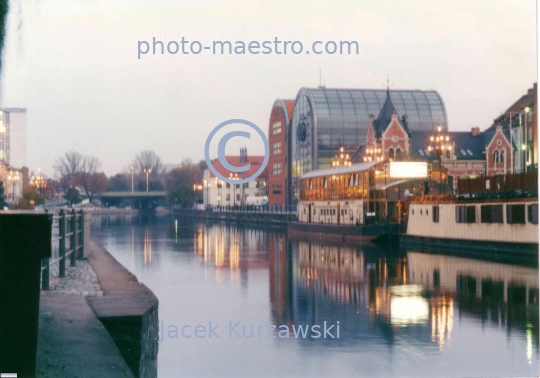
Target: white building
<point>13,137</point>
<point>216,192</point>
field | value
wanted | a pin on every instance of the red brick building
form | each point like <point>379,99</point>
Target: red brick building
<point>466,154</point>
<point>279,165</point>
<point>523,118</point>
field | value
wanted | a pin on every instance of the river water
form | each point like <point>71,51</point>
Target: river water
<point>347,310</point>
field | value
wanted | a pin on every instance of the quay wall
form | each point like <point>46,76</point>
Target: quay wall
<point>422,223</point>
<point>239,216</point>
<point>128,310</point>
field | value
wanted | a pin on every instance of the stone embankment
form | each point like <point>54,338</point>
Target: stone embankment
<point>97,321</point>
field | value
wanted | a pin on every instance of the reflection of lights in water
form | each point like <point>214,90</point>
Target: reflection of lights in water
<point>234,256</point>
<point>442,320</point>
<point>409,308</point>
<point>132,244</point>
<point>529,343</point>
<point>176,231</point>
<point>147,247</point>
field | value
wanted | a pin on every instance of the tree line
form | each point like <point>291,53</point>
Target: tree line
<point>81,174</point>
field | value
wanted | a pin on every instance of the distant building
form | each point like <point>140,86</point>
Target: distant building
<point>13,137</point>
<point>279,164</point>
<point>219,193</point>
<point>325,120</point>
<point>523,118</point>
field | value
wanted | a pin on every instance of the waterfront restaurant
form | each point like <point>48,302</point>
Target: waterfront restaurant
<point>362,193</point>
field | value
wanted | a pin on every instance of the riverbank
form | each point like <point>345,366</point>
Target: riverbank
<point>98,319</point>
<point>248,216</point>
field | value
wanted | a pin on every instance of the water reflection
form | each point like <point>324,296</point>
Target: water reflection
<point>401,311</point>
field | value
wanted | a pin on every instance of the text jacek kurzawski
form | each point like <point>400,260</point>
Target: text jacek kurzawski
<point>239,330</point>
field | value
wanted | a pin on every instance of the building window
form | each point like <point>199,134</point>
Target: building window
<point>228,185</point>
<point>219,197</point>
<point>465,214</point>
<point>421,152</point>
<point>311,184</point>
<point>496,156</point>
<point>238,197</point>
<point>398,151</point>
<point>276,168</point>
<point>276,127</point>
<point>501,156</point>
<point>491,214</point>
<point>391,153</point>
<point>276,192</point>
<point>515,214</point>
<point>276,148</point>
<point>533,213</point>
<point>435,213</point>
<point>227,197</point>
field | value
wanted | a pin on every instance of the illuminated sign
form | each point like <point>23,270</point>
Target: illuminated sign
<point>408,169</point>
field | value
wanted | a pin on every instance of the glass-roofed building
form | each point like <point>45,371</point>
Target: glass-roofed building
<point>324,120</point>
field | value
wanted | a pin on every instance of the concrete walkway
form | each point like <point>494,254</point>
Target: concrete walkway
<point>72,342</point>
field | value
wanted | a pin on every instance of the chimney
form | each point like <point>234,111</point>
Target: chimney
<point>475,131</point>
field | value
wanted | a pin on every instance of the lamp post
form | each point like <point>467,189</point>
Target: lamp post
<point>147,172</point>
<point>13,177</point>
<point>341,159</point>
<point>440,143</point>
<point>132,179</point>
<point>373,154</point>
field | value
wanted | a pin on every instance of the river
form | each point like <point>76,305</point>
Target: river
<point>337,310</point>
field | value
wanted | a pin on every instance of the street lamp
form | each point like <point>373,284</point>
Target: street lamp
<point>440,144</point>
<point>147,172</point>
<point>132,179</point>
<point>13,177</point>
<point>373,154</point>
<point>341,159</point>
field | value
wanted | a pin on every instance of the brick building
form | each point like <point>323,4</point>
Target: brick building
<point>466,154</point>
<point>523,119</point>
<point>279,164</point>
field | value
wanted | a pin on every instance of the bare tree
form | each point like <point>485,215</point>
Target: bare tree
<point>69,165</point>
<point>88,176</point>
<point>148,160</point>
<point>76,169</point>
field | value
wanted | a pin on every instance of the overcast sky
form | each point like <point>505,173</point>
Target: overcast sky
<point>74,67</point>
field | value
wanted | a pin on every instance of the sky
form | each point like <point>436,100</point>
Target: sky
<point>74,66</point>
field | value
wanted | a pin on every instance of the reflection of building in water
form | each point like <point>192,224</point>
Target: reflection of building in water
<point>377,293</point>
<point>503,294</point>
<point>280,277</point>
<point>230,249</point>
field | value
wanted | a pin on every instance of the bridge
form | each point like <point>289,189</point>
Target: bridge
<point>137,200</point>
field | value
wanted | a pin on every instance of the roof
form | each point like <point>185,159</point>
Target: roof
<point>254,161</point>
<point>288,108</point>
<point>473,146</point>
<point>527,99</point>
<point>425,109</point>
<point>358,167</point>
<point>385,117</point>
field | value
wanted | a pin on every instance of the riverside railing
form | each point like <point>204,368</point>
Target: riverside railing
<point>67,241</point>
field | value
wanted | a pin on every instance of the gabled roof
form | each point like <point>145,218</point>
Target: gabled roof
<point>254,161</point>
<point>472,146</point>
<point>385,117</point>
<point>527,99</point>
